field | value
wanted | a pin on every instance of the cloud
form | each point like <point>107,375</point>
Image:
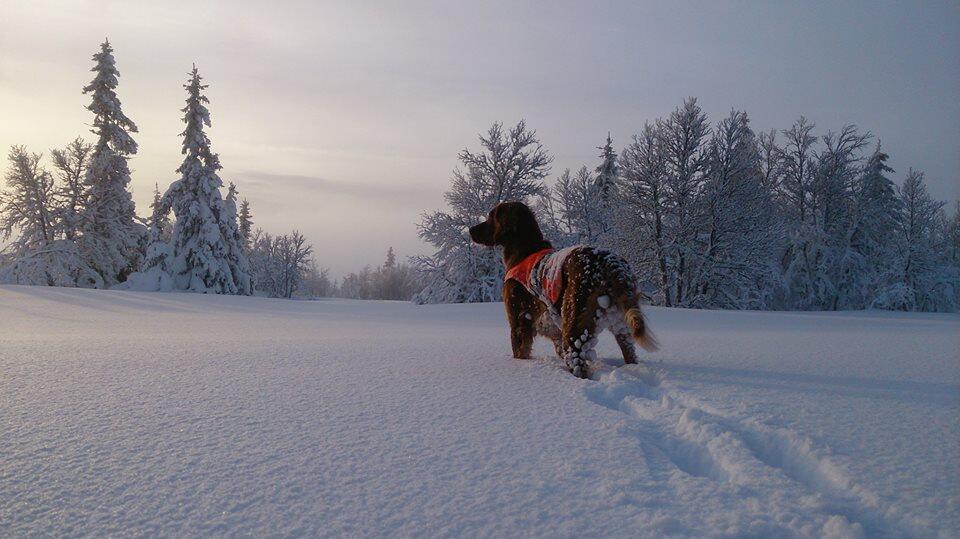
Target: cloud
<point>388,193</point>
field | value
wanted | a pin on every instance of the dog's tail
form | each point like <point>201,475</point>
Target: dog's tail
<point>636,322</point>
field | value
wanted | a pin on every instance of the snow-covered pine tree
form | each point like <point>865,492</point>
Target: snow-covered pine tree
<point>237,250</point>
<point>510,166</point>
<point>245,223</point>
<point>160,221</point>
<point>208,253</point>
<point>38,255</point>
<point>111,234</point>
<point>605,189</point>
<point>878,211</point>
<point>154,274</point>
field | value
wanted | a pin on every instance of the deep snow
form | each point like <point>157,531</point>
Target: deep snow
<point>137,413</point>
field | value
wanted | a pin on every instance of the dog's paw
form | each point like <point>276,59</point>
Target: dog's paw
<point>579,368</point>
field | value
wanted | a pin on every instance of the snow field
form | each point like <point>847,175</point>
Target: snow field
<point>140,414</point>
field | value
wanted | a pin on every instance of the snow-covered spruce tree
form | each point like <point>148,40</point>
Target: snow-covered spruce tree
<point>208,253</point>
<point>735,263</point>
<point>230,228</point>
<point>245,223</point>
<point>38,255</point>
<point>111,234</point>
<point>160,216</point>
<point>605,188</point>
<point>876,223</point>
<point>510,166</point>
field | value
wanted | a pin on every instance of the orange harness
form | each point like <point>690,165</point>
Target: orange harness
<point>543,285</point>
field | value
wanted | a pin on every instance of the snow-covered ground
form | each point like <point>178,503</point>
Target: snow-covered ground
<point>133,413</point>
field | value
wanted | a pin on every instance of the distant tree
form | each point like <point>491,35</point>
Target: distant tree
<point>510,166</point>
<point>208,253</point>
<point>294,255</point>
<point>391,281</point>
<point>607,174</point>
<point>316,282</point>
<point>280,264</point>
<point>111,235</point>
<point>246,223</point>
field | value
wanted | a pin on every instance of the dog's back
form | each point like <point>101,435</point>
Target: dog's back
<point>599,282</point>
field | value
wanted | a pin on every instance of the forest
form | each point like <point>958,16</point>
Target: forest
<point>709,215</point>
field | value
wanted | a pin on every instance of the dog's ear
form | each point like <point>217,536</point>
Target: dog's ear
<point>505,223</point>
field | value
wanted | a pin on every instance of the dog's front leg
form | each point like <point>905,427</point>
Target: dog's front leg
<point>519,305</point>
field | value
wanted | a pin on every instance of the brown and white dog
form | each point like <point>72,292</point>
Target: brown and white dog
<point>568,296</point>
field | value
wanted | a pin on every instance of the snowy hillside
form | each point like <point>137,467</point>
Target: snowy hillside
<point>133,413</point>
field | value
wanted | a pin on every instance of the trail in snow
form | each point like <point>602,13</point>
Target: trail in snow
<point>707,443</point>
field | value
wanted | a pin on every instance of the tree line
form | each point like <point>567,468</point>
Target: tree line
<point>714,216</point>
<point>76,225</point>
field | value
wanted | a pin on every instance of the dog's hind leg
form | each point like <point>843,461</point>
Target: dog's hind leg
<point>578,328</point>
<point>625,341</point>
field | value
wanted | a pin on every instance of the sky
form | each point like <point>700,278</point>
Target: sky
<point>344,119</point>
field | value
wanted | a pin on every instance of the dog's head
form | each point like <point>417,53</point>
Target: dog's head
<point>507,223</point>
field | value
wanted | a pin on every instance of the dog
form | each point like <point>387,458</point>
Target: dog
<point>568,296</point>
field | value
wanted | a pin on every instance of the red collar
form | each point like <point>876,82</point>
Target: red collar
<point>521,272</point>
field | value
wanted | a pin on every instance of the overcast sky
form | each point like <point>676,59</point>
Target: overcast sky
<point>344,119</point>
